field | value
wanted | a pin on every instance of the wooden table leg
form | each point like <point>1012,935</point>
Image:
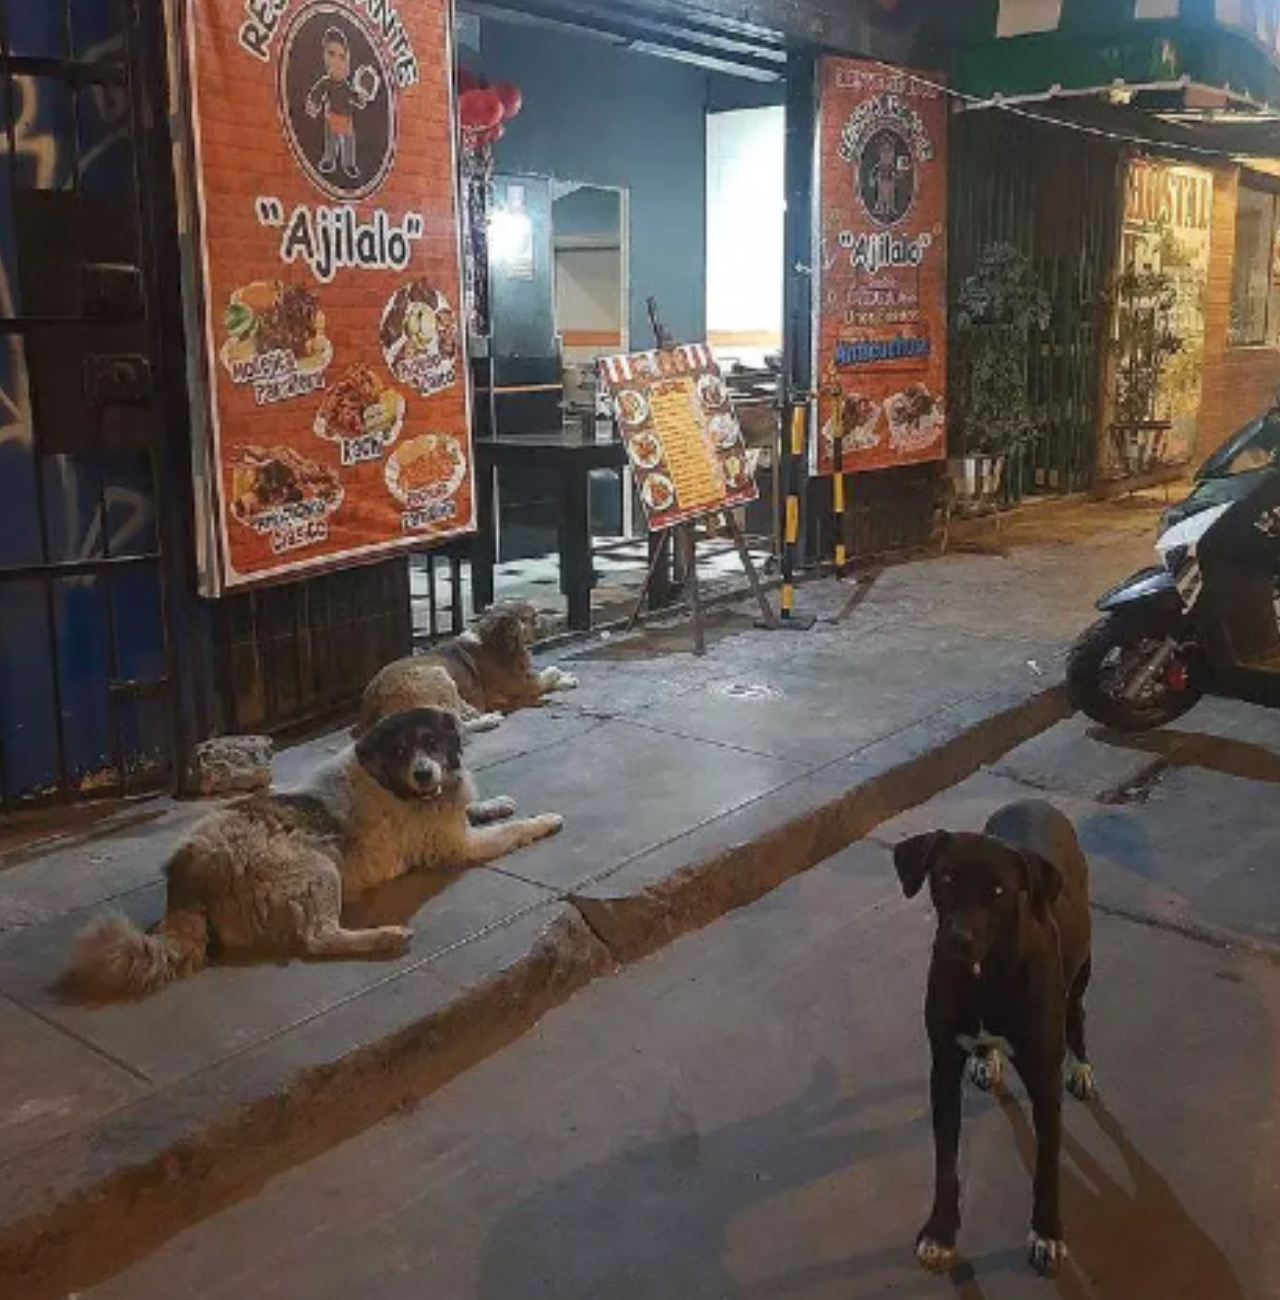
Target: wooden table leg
<point>576,574</point>
<point>484,547</point>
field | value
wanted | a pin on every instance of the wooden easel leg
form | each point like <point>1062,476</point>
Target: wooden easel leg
<point>767,616</point>
<point>690,544</point>
<point>659,554</point>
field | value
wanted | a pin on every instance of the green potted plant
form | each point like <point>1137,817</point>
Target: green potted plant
<point>1143,343</point>
<point>999,307</point>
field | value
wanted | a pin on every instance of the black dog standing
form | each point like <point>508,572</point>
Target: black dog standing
<point>1011,962</point>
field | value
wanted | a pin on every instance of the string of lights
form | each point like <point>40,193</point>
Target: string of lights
<point>997,101</point>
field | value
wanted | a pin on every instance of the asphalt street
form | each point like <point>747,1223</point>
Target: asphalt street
<point>745,1114</point>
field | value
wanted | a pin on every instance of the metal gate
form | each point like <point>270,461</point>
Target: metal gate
<point>86,664</point>
<point>1054,193</point>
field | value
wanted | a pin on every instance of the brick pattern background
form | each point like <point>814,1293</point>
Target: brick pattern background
<point>1239,383</point>
<point>244,153</point>
<point>839,209</point>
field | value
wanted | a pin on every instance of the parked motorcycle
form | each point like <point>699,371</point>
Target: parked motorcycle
<point>1206,620</point>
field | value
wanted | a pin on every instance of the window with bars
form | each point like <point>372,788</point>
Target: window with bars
<point>85,687</point>
<point>1255,271</point>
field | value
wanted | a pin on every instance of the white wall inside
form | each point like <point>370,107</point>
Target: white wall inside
<point>589,294</point>
<point>746,195</point>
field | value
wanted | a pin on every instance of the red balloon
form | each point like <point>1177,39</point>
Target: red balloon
<point>512,100</point>
<point>480,110</point>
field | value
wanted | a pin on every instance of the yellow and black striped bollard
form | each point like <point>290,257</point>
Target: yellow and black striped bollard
<point>791,526</point>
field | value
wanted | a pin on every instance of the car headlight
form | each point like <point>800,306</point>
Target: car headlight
<point>1175,557</point>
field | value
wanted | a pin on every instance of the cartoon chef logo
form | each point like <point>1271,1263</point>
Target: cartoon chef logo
<point>337,103</point>
<point>886,177</point>
<point>884,141</point>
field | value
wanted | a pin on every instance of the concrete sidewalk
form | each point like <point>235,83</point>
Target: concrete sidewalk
<point>689,787</point>
<point>746,1114</point>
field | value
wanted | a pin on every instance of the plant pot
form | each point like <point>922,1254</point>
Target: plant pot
<point>1140,447</point>
<point>976,479</point>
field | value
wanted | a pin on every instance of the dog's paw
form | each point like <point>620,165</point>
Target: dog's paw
<point>985,1070</point>
<point>546,824</point>
<point>485,722</point>
<point>492,810</point>
<point>1082,1083</point>
<point>1045,1254</point>
<point>933,1256</point>
<point>394,940</point>
<point>566,682</point>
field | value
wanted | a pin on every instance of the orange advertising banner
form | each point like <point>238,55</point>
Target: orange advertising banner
<point>881,301</point>
<point>335,376</point>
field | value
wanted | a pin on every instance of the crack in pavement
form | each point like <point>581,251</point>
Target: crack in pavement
<point>1222,940</point>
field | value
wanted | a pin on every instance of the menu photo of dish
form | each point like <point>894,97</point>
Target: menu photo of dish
<point>676,417</point>
<point>725,435</point>
<point>274,339</point>
<point>424,475</point>
<point>916,418</point>
<point>858,419</point>
<point>283,496</point>
<point>361,414</point>
<point>419,336</point>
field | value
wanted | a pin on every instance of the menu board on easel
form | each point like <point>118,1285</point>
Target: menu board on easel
<point>682,437</point>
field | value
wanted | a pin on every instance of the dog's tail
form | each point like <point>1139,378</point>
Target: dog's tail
<point>114,959</point>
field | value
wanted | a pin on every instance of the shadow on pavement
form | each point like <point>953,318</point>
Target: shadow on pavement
<point>1221,754</point>
<point>652,1221</point>
<point>398,901</point>
<point>1123,1244</point>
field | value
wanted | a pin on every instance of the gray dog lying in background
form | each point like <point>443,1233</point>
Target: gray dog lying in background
<point>270,872</point>
<point>480,675</point>
<point>1011,961</point>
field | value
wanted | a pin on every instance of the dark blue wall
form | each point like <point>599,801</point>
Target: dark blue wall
<point>598,114</point>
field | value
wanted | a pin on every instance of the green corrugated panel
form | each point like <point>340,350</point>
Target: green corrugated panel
<point>1009,178</point>
<point>1138,53</point>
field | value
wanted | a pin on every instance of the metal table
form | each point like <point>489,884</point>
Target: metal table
<point>571,458</point>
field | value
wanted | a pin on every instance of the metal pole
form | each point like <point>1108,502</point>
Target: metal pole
<point>798,309</point>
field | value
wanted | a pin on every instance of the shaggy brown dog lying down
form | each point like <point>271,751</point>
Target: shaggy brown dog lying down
<point>489,670</point>
<point>269,872</point>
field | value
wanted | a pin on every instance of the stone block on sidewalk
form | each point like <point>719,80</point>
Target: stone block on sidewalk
<point>230,765</point>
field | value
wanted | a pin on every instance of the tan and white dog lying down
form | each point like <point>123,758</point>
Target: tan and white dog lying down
<point>269,873</point>
<point>479,676</point>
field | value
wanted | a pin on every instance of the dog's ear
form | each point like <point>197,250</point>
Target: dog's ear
<point>913,859</point>
<point>380,751</point>
<point>510,635</point>
<point>452,741</point>
<point>501,629</point>
<point>1044,882</point>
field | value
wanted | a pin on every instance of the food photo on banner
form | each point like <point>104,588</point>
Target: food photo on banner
<point>880,332</point>
<point>681,433</point>
<point>334,387</point>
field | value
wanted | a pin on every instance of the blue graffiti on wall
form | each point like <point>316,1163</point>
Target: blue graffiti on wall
<point>56,645</point>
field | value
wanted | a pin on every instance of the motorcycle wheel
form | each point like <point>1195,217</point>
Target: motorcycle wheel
<point>1101,662</point>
